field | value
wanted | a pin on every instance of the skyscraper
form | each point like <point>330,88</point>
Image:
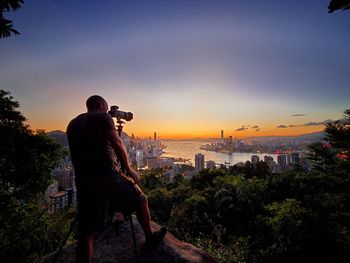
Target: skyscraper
<point>282,163</point>
<point>270,163</point>
<point>199,162</point>
<point>295,158</point>
<point>139,158</point>
<point>222,136</point>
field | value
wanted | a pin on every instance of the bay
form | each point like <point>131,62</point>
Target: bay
<point>188,149</point>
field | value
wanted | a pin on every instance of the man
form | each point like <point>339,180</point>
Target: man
<point>95,147</point>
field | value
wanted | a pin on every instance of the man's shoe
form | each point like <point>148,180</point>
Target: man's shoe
<point>155,238</point>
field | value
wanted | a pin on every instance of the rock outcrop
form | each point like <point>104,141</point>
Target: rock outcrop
<point>109,247</point>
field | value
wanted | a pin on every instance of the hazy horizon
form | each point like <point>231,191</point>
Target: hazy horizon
<point>206,138</point>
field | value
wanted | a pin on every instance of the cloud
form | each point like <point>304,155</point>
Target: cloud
<point>282,126</point>
<point>313,123</point>
<point>248,126</point>
<point>242,128</point>
<point>307,124</point>
<point>298,115</point>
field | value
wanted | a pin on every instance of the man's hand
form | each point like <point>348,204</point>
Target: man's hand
<point>120,151</point>
<point>134,175</point>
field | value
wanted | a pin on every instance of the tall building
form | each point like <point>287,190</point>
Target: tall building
<point>139,158</point>
<point>152,162</point>
<point>281,163</point>
<point>63,176</point>
<point>222,136</point>
<point>155,136</point>
<point>295,158</point>
<point>52,189</point>
<point>199,162</point>
<point>58,201</point>
<point>154,151</point>
<point>270,163</point>
<point>255,159</point>
<point>230,145</point>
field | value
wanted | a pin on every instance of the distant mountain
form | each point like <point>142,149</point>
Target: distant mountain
<point>304,138</point>
<point>59,136</point>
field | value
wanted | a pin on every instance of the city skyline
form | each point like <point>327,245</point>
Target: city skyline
<point>186,70</point>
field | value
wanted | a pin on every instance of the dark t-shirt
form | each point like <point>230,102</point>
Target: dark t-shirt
<point>92,155</point>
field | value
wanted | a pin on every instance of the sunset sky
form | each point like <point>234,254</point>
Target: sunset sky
<point>184,68</point>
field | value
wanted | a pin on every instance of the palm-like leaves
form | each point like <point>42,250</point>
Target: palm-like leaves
<point>6,27</point>
<point>338,4</point>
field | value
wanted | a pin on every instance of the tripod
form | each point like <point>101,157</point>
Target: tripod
<point>120,130</point>
<point>74,222</point>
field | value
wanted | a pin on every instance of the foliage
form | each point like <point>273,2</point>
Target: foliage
<point>334,154</point>
<point>159,200</point>
<point>27,158</point>
<point>245,214</point>
<point>26,162</point>
<point>152,180</point>
<point>193,217</point>
<point>6,27</point>
<point>27,233</point>
<point>248,170</point>
<point>338,4</point>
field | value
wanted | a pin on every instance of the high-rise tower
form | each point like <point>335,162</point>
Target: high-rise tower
<point>199,162</point>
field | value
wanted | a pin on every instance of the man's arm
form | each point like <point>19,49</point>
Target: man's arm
<point>120,150</point>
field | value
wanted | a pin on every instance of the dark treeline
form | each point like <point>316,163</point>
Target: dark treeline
<point>27,159</point>
<point>251,215</point>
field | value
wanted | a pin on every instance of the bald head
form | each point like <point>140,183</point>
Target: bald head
<point>96,104</point>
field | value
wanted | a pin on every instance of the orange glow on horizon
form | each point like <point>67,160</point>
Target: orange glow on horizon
<point>188,133</point>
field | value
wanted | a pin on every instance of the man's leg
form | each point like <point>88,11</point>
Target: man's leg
<point>91,213</point>
<point>85,248</point>
<point>133,199</point>
<point>85,241</point>
<point>144,217</point>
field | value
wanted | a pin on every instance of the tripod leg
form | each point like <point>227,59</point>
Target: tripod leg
<point>134,240</point>
<point>66,238</point>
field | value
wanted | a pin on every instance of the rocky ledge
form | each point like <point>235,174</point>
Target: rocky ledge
<point>109,247</point>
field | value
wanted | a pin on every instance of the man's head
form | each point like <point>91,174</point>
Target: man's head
<point>96,104</point>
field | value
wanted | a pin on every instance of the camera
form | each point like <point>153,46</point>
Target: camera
<point>114,112</point>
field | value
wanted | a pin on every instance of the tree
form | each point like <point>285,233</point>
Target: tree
<point>27,159</point>
<point>338,4</point>
<point>6,27</point>
<point>338,134</point>
<point>152,179</point>
<point>333,154</point>
<point>248,214</point>
<point>160,204</point>
<point>192,218</point>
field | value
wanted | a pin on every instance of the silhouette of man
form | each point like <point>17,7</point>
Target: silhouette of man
<point>95,148</point>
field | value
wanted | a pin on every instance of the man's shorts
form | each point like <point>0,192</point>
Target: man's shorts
<point>113,192</point>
